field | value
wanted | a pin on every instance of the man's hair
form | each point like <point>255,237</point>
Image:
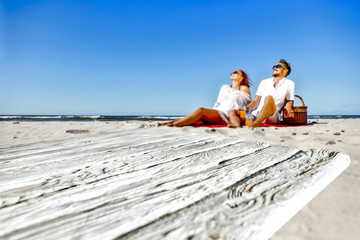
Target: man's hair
<point>287,65</point>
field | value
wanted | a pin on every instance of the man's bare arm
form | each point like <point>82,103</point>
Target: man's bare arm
<point>254,103</point>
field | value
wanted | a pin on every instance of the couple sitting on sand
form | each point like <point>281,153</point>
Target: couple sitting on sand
<point>273,95</point>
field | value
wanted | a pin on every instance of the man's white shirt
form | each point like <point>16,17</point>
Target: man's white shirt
<point>284,91</point>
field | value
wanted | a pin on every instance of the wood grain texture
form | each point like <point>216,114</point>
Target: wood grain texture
<point>157,184</point>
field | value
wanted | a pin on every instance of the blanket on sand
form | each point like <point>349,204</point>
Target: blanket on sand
<point>261,125</point>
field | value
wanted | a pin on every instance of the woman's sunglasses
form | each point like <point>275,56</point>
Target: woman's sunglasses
<point>278,66</point>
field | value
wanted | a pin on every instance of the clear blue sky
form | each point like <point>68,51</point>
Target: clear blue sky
<point>122,57</point>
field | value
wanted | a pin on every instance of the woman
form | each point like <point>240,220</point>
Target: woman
<point>230,97</point>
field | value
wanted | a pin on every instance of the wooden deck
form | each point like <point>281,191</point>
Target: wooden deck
<point>157,184</point>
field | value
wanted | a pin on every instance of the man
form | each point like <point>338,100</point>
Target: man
<point>273,95</point>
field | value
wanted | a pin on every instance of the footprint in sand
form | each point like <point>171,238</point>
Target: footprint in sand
<point>77,131</point>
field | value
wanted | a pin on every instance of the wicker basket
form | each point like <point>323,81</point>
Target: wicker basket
<point>300,115</point>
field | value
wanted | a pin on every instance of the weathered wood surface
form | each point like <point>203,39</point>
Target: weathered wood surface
<point>157,184</point>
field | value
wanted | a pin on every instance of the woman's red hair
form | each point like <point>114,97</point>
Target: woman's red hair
<point>246,80</point>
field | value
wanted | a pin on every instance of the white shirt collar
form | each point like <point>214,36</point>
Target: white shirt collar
<point>280,82</point>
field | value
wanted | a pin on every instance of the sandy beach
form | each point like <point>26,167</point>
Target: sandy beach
<point>333,214</point>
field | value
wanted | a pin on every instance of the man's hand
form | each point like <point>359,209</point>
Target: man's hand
<point>288,110</point>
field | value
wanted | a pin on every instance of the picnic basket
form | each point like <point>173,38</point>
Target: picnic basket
<point>300,115</point>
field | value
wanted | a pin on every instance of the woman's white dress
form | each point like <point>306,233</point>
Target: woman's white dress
<point>229,99</point>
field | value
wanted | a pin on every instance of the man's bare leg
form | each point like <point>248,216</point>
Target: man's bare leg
<point>234,118</point>
<point>268,110</point>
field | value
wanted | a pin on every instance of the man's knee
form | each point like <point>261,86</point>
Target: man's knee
<point>269,99</point>
<point>270,103</point>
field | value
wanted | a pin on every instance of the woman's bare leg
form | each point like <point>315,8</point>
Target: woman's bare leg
<point>200,122</point>
<point>234,118</point>
<point>171,123</point>
<point>166,123</point>
<point>201,114</point>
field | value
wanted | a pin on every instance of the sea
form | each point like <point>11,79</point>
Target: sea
<point>62,118</point>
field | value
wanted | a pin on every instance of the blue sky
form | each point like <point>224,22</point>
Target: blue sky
<point>170,56</point>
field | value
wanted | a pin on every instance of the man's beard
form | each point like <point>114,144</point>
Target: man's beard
<point>275,74</point>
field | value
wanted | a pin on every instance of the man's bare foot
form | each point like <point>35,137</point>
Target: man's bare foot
<point>233,126</point>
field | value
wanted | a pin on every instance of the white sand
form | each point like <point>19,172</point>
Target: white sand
<point>333,214</point>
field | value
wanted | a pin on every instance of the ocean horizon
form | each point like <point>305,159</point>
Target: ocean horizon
<point>39,118</point>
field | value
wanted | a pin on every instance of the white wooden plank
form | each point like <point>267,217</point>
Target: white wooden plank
<point>157,184</point>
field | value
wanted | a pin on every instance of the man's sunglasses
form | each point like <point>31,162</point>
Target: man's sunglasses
<point>278,66</point>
